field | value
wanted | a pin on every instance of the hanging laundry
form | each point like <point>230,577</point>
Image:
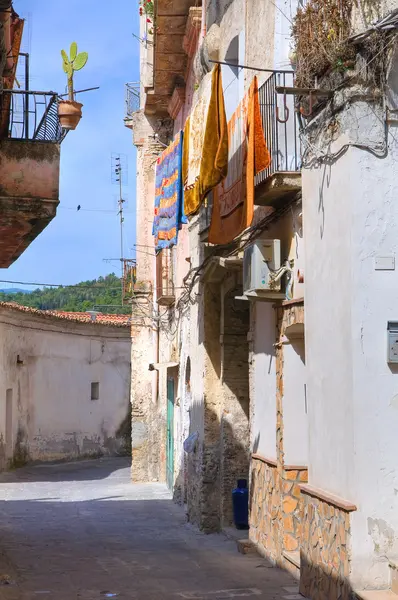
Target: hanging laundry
<point>233,199</point>
<point>169,206</point>
<point>205,159</point>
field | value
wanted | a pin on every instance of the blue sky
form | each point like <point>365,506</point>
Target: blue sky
<point>73,246</point>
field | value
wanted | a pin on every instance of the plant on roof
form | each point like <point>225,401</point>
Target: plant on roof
<point>74,62</point>
<point>320,32</point>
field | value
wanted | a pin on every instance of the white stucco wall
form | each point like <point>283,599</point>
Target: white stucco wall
<point>295,421</point>
<point>351,217</point>
<point>263,380</point>
<point>53,416</point>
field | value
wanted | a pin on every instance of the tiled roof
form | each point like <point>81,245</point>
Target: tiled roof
<point>77,317</point>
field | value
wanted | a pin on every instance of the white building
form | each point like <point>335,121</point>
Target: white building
<point>65,385</point>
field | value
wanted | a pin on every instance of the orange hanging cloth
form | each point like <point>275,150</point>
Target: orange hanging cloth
<point>248,155</point>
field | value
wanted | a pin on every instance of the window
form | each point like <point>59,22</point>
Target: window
<point>94,390</point>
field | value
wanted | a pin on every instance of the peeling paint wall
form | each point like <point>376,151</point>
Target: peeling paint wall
<point>46,372</point>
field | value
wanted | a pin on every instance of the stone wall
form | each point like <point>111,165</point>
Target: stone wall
<point>148,415</point>
<point>292,506</point>
<point>265,507</point>
<point>325,547</point>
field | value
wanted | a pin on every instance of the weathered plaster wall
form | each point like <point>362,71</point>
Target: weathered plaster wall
<point>351,219</point>
<point>147,416</point>
<point>196,406</point>
<point>260,34</point>
<point>46,371</point>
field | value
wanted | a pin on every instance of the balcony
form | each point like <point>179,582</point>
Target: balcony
<point>166,58</point>
<point>30,136</point>
<point>282,179</point>
<point>132,99</point>
<point>165,294</point>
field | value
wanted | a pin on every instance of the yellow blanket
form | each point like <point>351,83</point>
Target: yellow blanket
<point>205,154</point>
<point>233,199</point>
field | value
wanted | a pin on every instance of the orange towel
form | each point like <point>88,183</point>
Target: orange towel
<point>233,199</point>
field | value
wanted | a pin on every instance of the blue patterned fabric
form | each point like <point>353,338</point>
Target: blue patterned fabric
<point>169,200</point>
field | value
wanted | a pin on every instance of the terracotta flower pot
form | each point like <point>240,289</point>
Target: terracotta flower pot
<point>69,113</point>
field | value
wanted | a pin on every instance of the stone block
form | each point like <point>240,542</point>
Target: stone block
<point>290,543</point>
<point>288,524</point>
<point>289,505</point>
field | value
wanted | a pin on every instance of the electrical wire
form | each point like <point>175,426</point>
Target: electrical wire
<point>97,210</point>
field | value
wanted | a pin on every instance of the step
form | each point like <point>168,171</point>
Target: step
<point>294,558</point>
<point>376,595</point>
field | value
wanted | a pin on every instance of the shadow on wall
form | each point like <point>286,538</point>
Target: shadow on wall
<point>221,454</point>
<point>210,472</point>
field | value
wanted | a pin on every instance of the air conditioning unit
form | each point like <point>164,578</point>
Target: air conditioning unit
<point>261,268</point>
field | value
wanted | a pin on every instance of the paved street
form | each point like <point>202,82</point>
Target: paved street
<point>83,530</point>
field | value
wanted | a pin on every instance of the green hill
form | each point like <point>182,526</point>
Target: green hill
<point>86,295</point>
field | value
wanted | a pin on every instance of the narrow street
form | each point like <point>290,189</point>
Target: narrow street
<point>82,530</point>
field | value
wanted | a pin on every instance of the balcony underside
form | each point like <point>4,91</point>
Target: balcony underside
<point>29,193</point>
<point>21,221</point>
<point>170,60</point>
<point>277,188</point>
<point>166,300</point>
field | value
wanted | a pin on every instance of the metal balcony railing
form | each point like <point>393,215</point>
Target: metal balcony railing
<point>164,277</point>
<point>30,115</point>
<point>132,100</point>
<point>280,125</point>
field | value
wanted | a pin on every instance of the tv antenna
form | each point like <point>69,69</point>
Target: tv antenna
<point>119,178</point>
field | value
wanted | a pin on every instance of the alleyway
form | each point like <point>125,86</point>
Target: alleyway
<point>83,531</point>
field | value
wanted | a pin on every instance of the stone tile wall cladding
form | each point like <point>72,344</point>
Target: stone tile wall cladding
<point>292,507</point>
<point>325,550</point>
<point>276,505</point>
<point>265,507</point>
<point>276,499</point>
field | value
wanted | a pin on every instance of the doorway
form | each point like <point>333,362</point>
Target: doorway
<point>170,433</point>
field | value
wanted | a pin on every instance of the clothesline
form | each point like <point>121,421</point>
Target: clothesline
<point>220,62</point>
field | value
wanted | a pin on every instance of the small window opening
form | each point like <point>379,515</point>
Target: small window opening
<point>94,390</point>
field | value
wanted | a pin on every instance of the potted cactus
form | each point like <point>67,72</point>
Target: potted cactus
<point>70,111</point>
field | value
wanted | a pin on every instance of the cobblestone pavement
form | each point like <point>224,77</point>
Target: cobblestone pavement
<point>84,531</point>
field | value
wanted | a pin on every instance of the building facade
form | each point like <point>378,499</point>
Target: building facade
<point>289,387</point>
<point>66,386</point>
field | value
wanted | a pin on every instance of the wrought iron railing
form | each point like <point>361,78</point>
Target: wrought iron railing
<point>30,115</point>
<point>205,213</point>
<point>280,125</point>
<point>164,276</point>
<point>132,100</point>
